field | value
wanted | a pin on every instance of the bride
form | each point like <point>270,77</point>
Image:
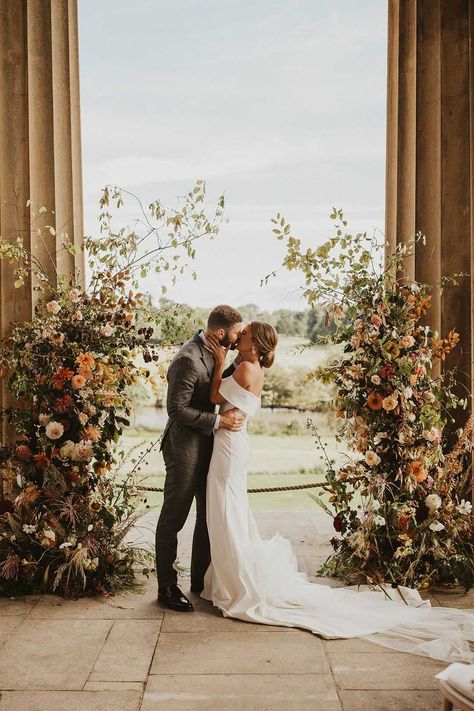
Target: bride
<point>258,581</point>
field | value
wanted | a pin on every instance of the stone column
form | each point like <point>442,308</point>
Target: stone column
<point>40,143</point>
<point>429,154</point>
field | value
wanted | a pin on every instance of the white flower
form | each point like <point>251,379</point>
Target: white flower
<point>29,529</point>
<point>375,505</point>
<point>379,521</point>
<point>53,307</point>
<point>54,430</point>
<point>436,526</point>
<point>66,544</point>
<point>433,502</point>
<point>67,449</point>
<point>83,418</point>
<point>408,392</point>
<point>49,533</point>
<point>19,480</point>
<point>379,437</point>
<point>411,417</point>
<point>74,295</point>
<point>107,330</point>
<point>372,458</point>
<point>83,451</point>
<point>90,527</point>
<point>465,507</point>
<point>376,379</point>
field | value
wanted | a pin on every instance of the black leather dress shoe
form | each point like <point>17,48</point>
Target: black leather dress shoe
<point>173,598</point>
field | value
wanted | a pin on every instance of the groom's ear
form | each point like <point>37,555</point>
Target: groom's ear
<point>220,333</point>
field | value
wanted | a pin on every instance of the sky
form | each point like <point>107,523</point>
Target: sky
<point>280,105</point>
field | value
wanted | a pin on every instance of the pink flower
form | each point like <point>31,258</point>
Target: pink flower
<point>407,341</point>
<point>372,458</point>
<point>53,307</point>
<point>433,435</point>
<point>390,402</point>
<point>74,295</point>
<point>78,381</point>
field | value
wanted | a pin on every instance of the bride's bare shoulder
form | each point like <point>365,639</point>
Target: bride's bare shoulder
<point>247,374</point>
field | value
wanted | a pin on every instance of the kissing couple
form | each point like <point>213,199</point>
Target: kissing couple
<point>206,456</point>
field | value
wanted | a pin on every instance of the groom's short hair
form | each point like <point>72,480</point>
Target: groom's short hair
<point>223,316</point>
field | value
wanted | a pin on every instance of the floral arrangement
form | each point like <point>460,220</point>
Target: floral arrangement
<point>68,503</point>
<point>398,508</point>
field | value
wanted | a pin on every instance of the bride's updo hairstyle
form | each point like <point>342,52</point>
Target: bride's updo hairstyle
<point>266,339</point>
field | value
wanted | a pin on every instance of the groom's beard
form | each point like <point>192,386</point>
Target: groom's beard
<point>225,342</point>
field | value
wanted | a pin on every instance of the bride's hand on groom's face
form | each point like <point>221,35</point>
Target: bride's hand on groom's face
<point>218,352</point>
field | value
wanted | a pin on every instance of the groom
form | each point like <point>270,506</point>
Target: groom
<point>187,447</point>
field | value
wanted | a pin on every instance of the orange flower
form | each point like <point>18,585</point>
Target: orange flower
<point>41,461</point>
<point>23,451</point>
<point>85,372</point>
<point>374,400</point>
<point>60,377</point>
<point>63,404</point>
<point>417,470</point>
<point>86,360</point>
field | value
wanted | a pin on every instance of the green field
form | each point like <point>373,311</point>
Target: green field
<point>283,448</point>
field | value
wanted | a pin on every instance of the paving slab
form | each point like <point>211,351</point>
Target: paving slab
<point>114,686</point>
<point>235,692</point>
<point>72,700</point>
<point>8,625</point>
<point>51,654</point>
<point>239,653</point>
<point>127,652</point>
<point>376,670</point>
<point>17,605</point>
<point>210,619</point>
<point>390,700</point>
<point>461,600</point>
<point>142,606</point>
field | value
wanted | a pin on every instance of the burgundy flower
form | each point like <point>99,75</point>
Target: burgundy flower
<point>338,523</point>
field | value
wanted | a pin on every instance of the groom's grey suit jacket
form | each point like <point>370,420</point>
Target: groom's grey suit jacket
<point>191,415</point>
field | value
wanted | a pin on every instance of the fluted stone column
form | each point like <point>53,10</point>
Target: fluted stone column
<point>40,143</point>
<point>429,153</point>
<point>429,180</point>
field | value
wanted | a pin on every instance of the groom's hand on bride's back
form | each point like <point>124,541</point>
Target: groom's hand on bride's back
<point>232,420</point>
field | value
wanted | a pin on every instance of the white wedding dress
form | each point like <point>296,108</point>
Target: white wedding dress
<point>257,580</point>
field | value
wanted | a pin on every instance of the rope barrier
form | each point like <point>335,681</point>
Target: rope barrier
<point>295,487</point>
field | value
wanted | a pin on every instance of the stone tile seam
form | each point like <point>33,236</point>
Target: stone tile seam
<point>99,652</point>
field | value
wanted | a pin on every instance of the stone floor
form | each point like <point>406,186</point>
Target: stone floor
<point>128,653</point>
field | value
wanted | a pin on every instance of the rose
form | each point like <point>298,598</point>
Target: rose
<point>107,330</point>
<point>376,379</point>
<point>433,435</point>
<point>433,502</point>
<point>54,430</point>
<point>74,295</point>
<point>390,402</point>
<point>53,307</point>
<point>372,458</point>
<point>407,341</point>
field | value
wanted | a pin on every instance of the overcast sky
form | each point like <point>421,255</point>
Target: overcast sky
<point>279,104</point>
